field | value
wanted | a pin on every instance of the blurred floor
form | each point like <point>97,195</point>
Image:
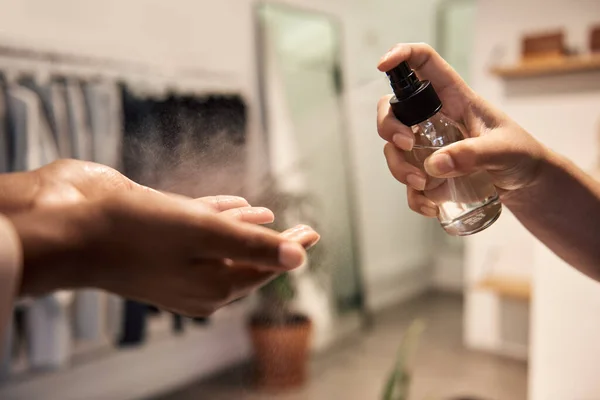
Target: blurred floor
<point>444,369</point>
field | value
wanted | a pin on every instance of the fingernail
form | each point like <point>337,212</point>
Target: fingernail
<point>313,243</point>
<point>291,255</point>
<point>295,230</point>
<point>299,228</point>
<point>262,212</point>
<point>440,164</point>
<point>429,211</point>
<point>403,141</point>
<point>389,53</point>
<point>385,56</point>
<point>416,181</point>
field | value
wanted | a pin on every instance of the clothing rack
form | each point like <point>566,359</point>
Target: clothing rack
<point>16,62</point>
<point>60,105</point>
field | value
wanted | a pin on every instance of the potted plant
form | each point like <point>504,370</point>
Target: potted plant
<point>281,335</point>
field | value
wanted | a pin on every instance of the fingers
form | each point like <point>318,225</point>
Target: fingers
<point>413,178</point>
<point>494,152</point>
<point>219,282</point>
<point>421,204</point>
<point>215,203</point>
<point>252,215</point>
<point>231,206</point>
<point>428,64</point>
<point>246,279</point>
<point>302,234</point>
<point>403,171</point>
<point>390,129</point>
<point>224,203</point>
<point>245,243</point>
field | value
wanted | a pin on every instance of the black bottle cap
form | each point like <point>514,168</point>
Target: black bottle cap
<point>415,100</point>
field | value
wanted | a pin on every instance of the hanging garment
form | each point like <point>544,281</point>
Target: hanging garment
<point>153,310</point>
<point>81,135</point>
<point>134,324</point>
<point>103,105</point>
<point>114,317</point>
<point>49,332</point>
<point>21,105</point>
<point>60,115</point>
<point>178,326</point>
<point>54,104</point>
<point>90,315</point>
<point>201,321</point>
<point>103,112</point>
<point>49,336</point>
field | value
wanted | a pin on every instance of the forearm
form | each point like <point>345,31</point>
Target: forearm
<point>562,209</point>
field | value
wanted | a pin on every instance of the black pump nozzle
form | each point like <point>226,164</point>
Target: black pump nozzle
<point>415,100</point>
<point>404,80</point>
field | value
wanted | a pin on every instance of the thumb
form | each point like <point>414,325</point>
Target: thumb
<point>491,152</point>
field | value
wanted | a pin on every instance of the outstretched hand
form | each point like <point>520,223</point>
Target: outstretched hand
<point>86,225</point>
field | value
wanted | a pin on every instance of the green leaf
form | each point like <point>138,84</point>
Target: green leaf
<point>398,383</point>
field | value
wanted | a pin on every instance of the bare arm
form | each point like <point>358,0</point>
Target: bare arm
<point>556,201</point>
<point>562,209</point>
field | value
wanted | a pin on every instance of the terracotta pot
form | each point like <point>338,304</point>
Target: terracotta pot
<point>281,352</point>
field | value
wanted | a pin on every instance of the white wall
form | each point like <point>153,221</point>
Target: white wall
<point>565,326</point>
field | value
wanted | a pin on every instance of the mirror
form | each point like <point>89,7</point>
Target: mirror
<point>302,88</point>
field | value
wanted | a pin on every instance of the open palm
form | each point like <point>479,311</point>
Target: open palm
<point>87,225</point>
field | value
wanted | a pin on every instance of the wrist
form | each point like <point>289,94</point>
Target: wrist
<point>542,175</point>
<point>54,242</point>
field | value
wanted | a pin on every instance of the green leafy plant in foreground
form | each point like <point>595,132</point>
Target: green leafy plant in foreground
<point>397,386</point>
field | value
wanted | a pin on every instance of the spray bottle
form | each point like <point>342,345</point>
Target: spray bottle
<point>467,204</point>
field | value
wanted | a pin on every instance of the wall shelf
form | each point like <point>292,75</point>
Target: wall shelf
<point>549,66</point>
<point>509,287</point>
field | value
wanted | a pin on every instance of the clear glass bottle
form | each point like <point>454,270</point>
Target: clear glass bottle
<point>467,204</point>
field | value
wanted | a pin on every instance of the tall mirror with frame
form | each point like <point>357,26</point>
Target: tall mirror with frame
<point>301,84</point>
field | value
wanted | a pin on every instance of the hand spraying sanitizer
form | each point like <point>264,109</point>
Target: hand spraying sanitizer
<point>468,204</point>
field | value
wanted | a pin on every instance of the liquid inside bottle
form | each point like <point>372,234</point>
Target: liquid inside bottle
<point>467,204</point>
